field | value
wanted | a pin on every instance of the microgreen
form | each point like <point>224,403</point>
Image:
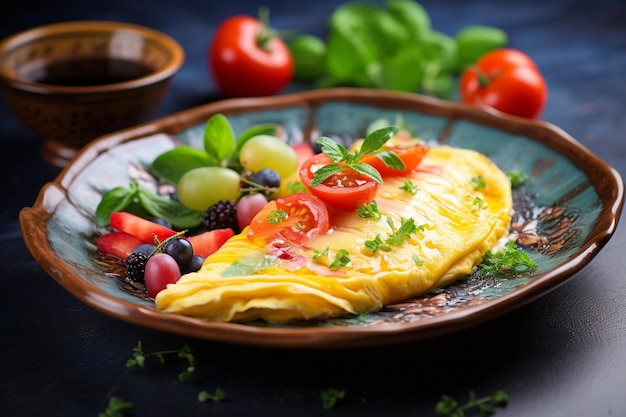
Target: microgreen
<point>369,210</point>
<point>518,178</point>
<point>478,183</point>
<point>276,216</point>
<point>116,408</point>
<point>218,396</point>
<point>142,202</point>
<point>377,244</point>
<point>397,236</point>
<point>479,203</point>
<point>331,396</point>
<point>449,407</point>
<point>139,359</point>
<point>342,258</point>
<point>511,260</point>
<point>320,253</point>
<point>409,187</point>
<point>418,261</point>
<point>342,158</point>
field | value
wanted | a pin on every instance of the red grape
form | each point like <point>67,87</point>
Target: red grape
<point>247,207</point>
<point>161,269</point>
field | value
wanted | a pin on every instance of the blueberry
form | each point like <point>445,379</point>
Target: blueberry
<point>267,178</point>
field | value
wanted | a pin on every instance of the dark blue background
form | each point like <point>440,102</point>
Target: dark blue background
<point>561,355</point>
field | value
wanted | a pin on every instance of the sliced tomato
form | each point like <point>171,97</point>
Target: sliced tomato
<point>346,190</point>
<point>411,156</point>
<point>204,244</point>
<point>295,218</point>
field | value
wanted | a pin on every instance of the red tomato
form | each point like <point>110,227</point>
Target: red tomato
<point>206,243</point>
<point>507,80</point>
<point>347,190</point>
<point>411,156</point>
<point>302,217</point>
<point>246,60</point>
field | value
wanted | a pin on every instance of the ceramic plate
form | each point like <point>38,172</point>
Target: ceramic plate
<point>564,215</point>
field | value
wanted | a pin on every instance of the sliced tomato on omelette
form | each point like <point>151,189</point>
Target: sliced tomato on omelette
<point>341,272</point>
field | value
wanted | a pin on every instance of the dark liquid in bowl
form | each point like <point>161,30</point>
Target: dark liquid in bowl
<point>85,71</point>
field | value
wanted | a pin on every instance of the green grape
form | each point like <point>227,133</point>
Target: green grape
<point>265,151</point>
<point>200,188</point>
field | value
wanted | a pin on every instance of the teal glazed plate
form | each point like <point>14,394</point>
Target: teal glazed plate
<point>563,215</point>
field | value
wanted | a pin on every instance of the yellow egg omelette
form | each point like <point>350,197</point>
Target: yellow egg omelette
<point>459,200</point>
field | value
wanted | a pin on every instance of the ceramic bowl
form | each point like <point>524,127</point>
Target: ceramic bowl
<point>72,82</point>
<point>566,212</point>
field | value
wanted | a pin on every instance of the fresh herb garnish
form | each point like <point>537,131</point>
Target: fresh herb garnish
<point>320,253</point>
<point>511,260</point>
<point>277,216</point>
<point>406,229</point>
<point>249,265</point>
<point>139,358</point>
<point>331,396</point>
<point>342,158</point>
<point>342,258</point>
<point>480,204</point>
<point>116,408</point>
<point>449,407</point>
<point>518,178</point>
<point>478,183</point>
<point>418,261</point>
<point>377,244</point>
<point>369,210</point>
<point>218,396</point>
<point>142,202</point>
<point>409,187</point>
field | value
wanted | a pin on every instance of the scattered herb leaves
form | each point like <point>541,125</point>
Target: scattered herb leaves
<point>342,258</point>
<point>511,260</point>
<point>139,359</point>
<point>116,408</point>
<point>369,210</point>
<point>518,178</point>
<point>478,183</point>
<point>449,407</point>
<point>277,216</point>
<point>409,187</point>
<point>330,397</point>
<point>218,395</point>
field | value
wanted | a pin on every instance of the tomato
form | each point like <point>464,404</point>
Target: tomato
<point>411,156</point>
<point>247,60</point>
<point>507,80</point>
<point>347,190</point>
<point>295,218</point>
<point>206,243</point>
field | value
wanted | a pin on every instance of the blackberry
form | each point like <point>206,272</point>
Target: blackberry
<point>221,215</point>
<point>136,266</point>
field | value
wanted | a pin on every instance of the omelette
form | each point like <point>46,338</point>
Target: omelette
<point>460,206</point>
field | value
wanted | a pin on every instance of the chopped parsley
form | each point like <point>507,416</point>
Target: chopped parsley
<point>331,396</point>
<point>509,261</point>
<point>409,187</point>
<point>277,216</point>
<point>478,183</point>
<point>342,258</point>
<point>397,236</point>
<point>369,210</point>
<point>518,178</point>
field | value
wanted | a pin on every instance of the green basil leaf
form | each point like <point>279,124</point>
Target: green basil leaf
<point>115,199</point>
<point>401,72</point>
<point>180,216</point>
<point>173,164</point>
<point>347,58</point>
<point>376,139</point>
<point>441,48</point>
<point>369,171</point>
<point>475,41</point>
<point>249,265</point>
<point>334,150</point>
<point>440,85</point>
<point>390,159</point>
<point>413,16</point>
<point>324,172</point>
<point>219,139</point>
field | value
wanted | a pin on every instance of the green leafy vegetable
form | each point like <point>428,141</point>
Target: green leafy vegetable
<point>116,408</point>
<point>137,200</point>
<point>218,396</point>
<point>331,396</point>
<point>511,260</point>
<point>518,178</point>
<point>393,46</point>
<point>341,158</point>
<point>139,359</point>
<point>449,407</point>
<point>249,265</point>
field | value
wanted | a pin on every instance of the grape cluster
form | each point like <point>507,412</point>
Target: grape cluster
<point>157,266</point>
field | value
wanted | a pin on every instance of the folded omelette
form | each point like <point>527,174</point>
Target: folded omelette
<point>461,202</point>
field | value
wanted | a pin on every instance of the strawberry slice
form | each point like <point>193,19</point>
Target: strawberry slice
<point>119,244</point>
<point>208,242</point>
<point>139,227</point>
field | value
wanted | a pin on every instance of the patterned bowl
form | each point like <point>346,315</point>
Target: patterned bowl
<point>564,215</point>
<point>72,82</point>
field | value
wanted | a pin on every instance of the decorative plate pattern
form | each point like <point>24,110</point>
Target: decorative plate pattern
<point>563,216</point>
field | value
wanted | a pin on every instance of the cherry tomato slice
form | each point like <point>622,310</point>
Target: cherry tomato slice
<point>295,218</point>
<point>411,156</point>
<point>345,190</point>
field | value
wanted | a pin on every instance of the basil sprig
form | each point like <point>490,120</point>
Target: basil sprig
<point>342,158</point>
